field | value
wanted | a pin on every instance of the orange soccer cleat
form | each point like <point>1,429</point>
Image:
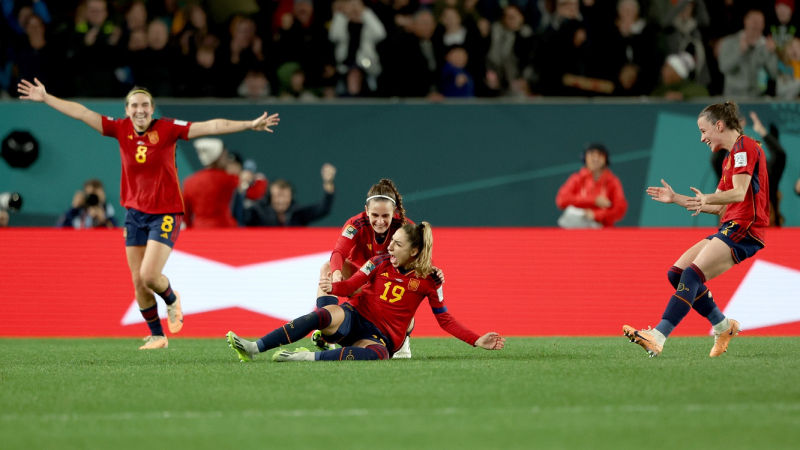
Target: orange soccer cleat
<point>175,315</point>
<point>721,340</point>
<point>645,338</point>
<point>154,342</point>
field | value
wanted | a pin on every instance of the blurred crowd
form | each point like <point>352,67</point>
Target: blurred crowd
<point>313,49</point>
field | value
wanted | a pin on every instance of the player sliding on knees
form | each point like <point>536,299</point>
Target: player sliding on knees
<point>393,286</point>
<point>149,189</point>
<point>742,199</point>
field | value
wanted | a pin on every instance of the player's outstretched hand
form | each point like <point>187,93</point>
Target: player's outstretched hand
<point>30,91</point>
<point>662,194</point>
<point>697,202</point>
<point>491,341</point>
<point>264,122</point>
<point>325,283</point>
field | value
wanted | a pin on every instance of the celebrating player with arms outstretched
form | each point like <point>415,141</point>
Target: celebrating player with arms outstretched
<point>742,199</point>
<point>149,189</point>
<point>393,286</point>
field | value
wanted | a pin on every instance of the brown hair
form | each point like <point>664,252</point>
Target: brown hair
<point>94,183</point>
<point>727,112</point>
<point>139,90</point>
<point>386,188</point>
<point>420,237</point>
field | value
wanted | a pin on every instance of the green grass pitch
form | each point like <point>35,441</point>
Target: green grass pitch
<point>537,393</point>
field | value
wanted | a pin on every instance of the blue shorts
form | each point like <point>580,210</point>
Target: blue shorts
<point>356,327</point>
<point>141,227</point>
<point>746,247</point>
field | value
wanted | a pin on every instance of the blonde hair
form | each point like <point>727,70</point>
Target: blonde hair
<point>385,188</point>
<point>139,90</point>
<point>420,237</point>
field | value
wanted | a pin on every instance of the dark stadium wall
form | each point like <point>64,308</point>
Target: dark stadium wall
<point>456,164</point>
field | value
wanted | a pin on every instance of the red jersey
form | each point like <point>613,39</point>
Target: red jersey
<point>581,190</point>
<point>390,298</point>
<point>149,174</point>
<point>358,242</point>
<point>207,195</point>
<point>752,214</point>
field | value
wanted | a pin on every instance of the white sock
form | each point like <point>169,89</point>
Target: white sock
<point>722,326</point>
<point>660,338</point>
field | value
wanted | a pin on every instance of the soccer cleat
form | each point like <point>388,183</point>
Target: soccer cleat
<point>644,338</point>
<point>175,315</point>
<point>299,354</point>
<point>316,339</point>
<point>405,350</point>
<point>245,350</point>
<point>721,340</point>
<point>154,342</point>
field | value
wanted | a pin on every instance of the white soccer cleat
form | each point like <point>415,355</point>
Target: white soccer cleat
<point>405,350</point>
<point>299,354</point>
<point>245,350</point>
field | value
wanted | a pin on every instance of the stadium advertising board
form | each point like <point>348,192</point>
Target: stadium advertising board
<point>516,281</point>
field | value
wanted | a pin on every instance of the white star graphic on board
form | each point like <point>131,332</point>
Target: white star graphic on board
<point>767,296</point>
<point>284,289</point>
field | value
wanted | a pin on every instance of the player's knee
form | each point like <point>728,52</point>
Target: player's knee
<point>150,280</point>
<point>674,276</point>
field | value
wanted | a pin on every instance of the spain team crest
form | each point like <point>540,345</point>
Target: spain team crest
<point>153,136</point>
<point>413,285</point>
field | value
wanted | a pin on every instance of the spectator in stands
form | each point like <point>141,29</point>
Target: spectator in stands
<point>254,86</point>
<point>279,208</point>
<point>776,164</point>
<point>592,197</point>
<point>37,58</point>
<point>135,17</point>
<point>744,54</point>
<point>196,33</point>
<point>677,82</point>
<point>356,31</point>
<point>23,11</point>
<point>454,32</point>
<point>243,54</point>
<point>787,85</point>
<point>456,81</point>
<point>413,70</point>
<point>304,41</point>
<point>205,76</point>
<point>682,23</point>
<point>781,29</point>
<point>508,61</point>
<point>208,193</point>
<point>6,67</point>
<point>564,50</point>
<point>95,52</point>
<point>89,208</point>
<point>251,182</point>
<point>158,62</point>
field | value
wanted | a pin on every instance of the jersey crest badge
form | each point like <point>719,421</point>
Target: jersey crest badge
<point>349,232</point>
<point>153,136</point>
<point>413,285</point>
<point>368,267</point>
<point>740,160</point>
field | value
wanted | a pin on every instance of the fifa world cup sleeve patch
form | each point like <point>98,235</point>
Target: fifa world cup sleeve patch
<point>740,160</point>
<point>181,123</point>
<point>349,232</point>
<point>440,294</point>
<point>368,267</point>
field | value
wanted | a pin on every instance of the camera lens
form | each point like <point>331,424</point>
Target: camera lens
<point>10,201</point>
<point>92,200</point>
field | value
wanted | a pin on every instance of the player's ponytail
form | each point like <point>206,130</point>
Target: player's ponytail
<point>386,191</point>
<point>420,237</point>
<point>727,112</point>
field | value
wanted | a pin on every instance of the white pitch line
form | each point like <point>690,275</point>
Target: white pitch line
<point>321,412</point>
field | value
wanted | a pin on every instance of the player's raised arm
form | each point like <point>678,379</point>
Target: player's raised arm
<point>225,126</point>
<point>38,93</point>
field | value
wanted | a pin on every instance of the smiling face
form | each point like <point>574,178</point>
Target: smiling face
<point>595,160</point>
<point>711,133</point>
<point>402,255</point>
<point>380,213</point>
<point>139,107</point>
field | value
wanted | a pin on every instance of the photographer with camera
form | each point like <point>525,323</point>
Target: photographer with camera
<point>9,202</point>
<point>89,208</point>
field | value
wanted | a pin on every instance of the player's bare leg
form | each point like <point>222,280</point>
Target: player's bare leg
<point>155,258</point>
<point>146,300</point>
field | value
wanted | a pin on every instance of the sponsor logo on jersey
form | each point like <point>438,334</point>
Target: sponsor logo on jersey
<point>740,160</point>
<point>181,123</point>
<point>368,267</point>
<point>130,136</point>
<point>349,232</point>
<point>153,136</point>
<point>369,246</point>
<point>385,274</point>
<point>140,143</point>
<point>413,285</point>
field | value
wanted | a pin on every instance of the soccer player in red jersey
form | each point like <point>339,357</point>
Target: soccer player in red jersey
<point>393,286</point>
<point>742,199</point>
<point>149,189</point>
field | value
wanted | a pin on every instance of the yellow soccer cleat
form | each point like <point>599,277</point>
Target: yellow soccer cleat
<point>154,342</point>
<point>175,315</point>
<point>721,340</point>
<point>245,350</point>
<point>645,338</point>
